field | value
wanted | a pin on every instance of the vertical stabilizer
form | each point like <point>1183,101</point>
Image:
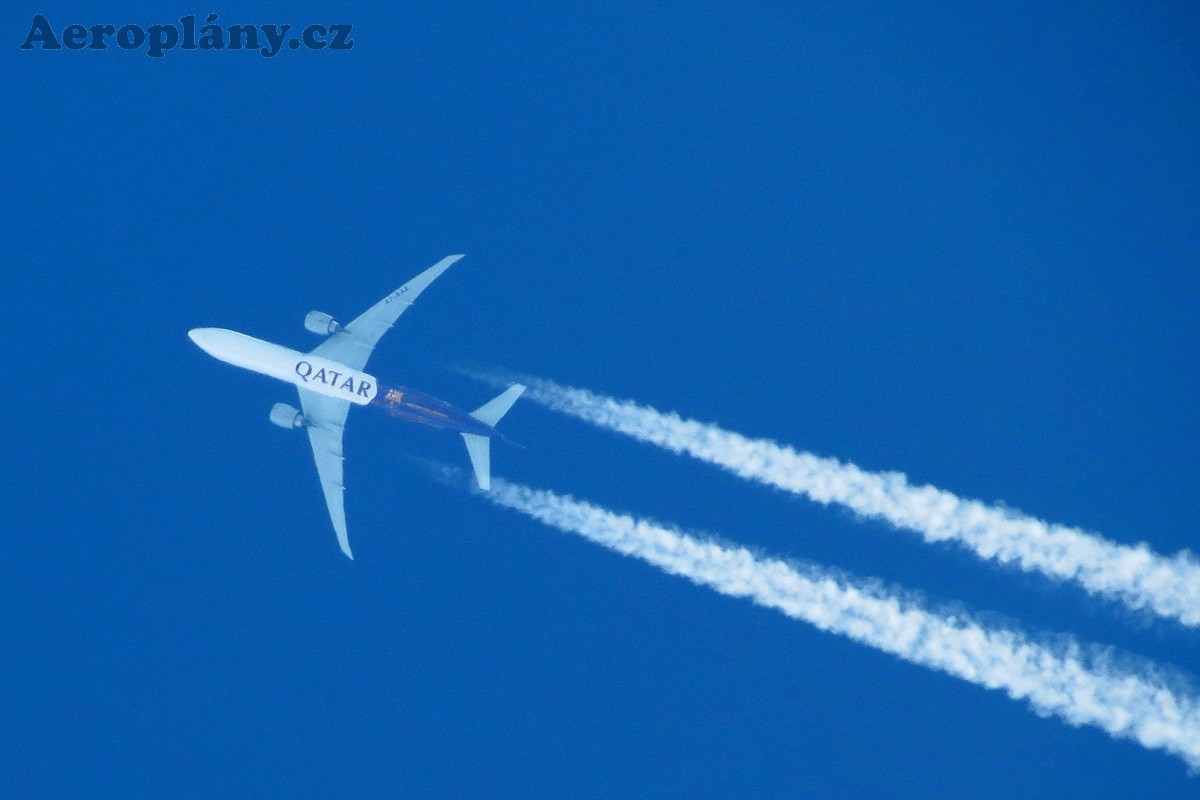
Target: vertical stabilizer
<point>479,449</point>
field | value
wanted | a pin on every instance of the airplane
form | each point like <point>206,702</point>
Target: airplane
<point>330,380</point>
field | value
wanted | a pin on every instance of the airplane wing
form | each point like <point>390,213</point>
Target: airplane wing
<point>352,345</point>
<point>326,418</point>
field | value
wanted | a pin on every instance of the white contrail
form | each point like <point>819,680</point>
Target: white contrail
<point>1134,575</point>
<point>1065,680</point>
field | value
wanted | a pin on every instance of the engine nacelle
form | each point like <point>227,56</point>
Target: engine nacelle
<point>285,416</point>
<point>321,323</point>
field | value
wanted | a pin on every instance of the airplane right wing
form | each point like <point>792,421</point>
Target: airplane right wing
<point>353,344</point>
<point>326,418</point>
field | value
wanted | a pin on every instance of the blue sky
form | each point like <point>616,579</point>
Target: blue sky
<point>956,243</point>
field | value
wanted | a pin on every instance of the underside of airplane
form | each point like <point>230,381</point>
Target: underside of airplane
<point>330,380</point>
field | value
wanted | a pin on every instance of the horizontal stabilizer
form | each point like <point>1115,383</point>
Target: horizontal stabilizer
<point>479,448</point>
<point>490,412</point>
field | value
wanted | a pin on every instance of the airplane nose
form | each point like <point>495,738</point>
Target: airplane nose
<point>204,338</point>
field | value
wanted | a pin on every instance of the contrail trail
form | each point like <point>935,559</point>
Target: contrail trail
<point>1134,575</point>
<point>1067,680</point>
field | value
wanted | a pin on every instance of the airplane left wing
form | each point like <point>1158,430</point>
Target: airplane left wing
<point>353,344</point>
<point>326,418</point>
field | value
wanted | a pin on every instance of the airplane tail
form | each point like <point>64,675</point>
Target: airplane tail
<point>479,447</point>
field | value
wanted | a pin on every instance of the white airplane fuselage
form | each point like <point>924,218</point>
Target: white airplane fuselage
<point>330,378</point>
<point>305,370</point>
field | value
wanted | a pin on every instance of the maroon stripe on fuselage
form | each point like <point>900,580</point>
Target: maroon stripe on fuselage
<point>425,409</point>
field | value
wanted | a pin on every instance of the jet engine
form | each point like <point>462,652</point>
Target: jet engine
<point>321,323</point>
<point>285,416</point>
